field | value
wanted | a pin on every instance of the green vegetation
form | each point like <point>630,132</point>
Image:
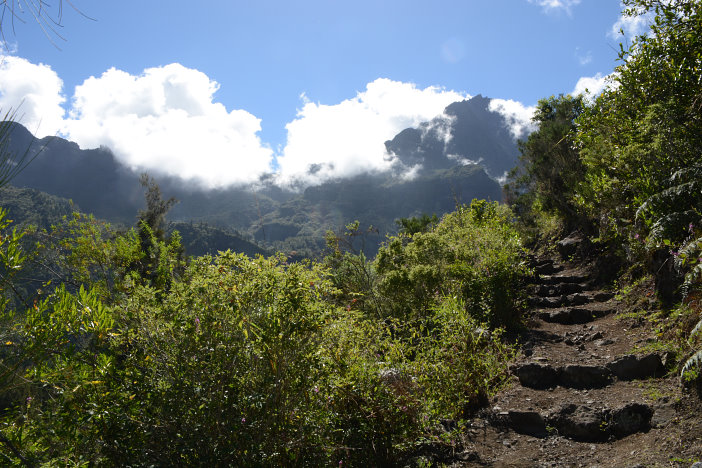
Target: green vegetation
<point>625,167</point>
<point>139,356</point>
<point>117,349</point>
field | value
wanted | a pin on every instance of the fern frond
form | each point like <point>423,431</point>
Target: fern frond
<point>697,329</point>
<point>692,279</point>
<point>685,174</point>
<point>694,361</point>
<point>691,249</point>
<point>671,221</point>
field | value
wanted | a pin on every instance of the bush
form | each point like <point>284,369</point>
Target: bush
<point>474,253</point>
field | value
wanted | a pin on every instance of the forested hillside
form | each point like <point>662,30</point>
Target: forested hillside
<point>117,348</point>
<point>481,149</point>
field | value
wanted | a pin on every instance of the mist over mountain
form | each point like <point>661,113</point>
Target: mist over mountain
<point>468,132</point>
<point>451,159</point>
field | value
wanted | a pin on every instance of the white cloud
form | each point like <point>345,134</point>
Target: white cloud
<point>517,115</point>
<point>33,92</point>
<point>555,5</point>
<point>591,86</point>
<point>166,120</point>
<point>631,26</point>
<point>346,139</point>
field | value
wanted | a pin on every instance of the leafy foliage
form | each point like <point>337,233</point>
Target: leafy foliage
<point>249,362</point>
<point>646,125</point>
<point>550,167</point>
<point>473,253</point>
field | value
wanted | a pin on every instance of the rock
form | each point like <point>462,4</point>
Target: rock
<point>570,316</point>
<point>578,299</point>
<point>580,423</point>
<point>662,415</point>
<point>632,367</point>
<point>570,245</point>
<point>604,342</point>
<point>536,375</point>
<point>547,268</point>
<point>556,279</point>
<point>696,465</point>
<point>578,376</point>
<point>603,296</point>
<point>526,422</point>
<point>596,336</point>
<point>546,290</point>
<point>550,302</point>
<point>597,313</point>
<point>629,419</point>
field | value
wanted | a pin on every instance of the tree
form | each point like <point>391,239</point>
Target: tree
<point>161,256</point>
<point>550,166</point>
<point>415,224</point>
<point>648,124</point>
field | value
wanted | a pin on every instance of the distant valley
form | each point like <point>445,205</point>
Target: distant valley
<point>453,159</point>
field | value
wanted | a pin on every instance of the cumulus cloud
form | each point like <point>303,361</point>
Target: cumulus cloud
<point>591,86</point>
<point>33,92</point>
<point>631,26</point>
<point>166,120</point>
<point>347,139</point>
<point>518,116</point>
<point>555,5</point>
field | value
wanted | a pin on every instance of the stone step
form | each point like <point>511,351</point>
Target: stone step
<point>559,301</point>
<point>573,315</point>
<point>579,422</point>
<point>560,289</point>
<point>547,268</point>
<point>563,278</point>
<point>630,367</point>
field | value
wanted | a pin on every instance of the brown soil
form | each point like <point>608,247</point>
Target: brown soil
<point>674,438</point>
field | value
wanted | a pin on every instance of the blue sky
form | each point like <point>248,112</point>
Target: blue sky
<point>279,85</point>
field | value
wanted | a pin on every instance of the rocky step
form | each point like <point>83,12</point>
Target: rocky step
<point>559,289</point>
<point>547,267</point>
<point>578,298</point>
<point>560,301</point>
<point>630,367</point>
<point>563,278</point>
<point>573,315</point>
<point>584,423</point>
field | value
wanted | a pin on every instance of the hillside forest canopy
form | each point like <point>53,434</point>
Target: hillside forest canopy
<point>119,349</point>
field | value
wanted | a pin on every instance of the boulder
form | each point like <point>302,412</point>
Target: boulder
<point>526,422</point>
<point>535,375</point>
<point>570,245</point>
<point>570,316</point>
<point>629,419</point>
<point>578,299</point>
<point>579,376</point>
<point>632,367</point>
<point>603,296</point>
<point>662,415</point>
<point>581,423</point>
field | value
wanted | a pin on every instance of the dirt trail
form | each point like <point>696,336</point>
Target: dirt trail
<point>581,395</point>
